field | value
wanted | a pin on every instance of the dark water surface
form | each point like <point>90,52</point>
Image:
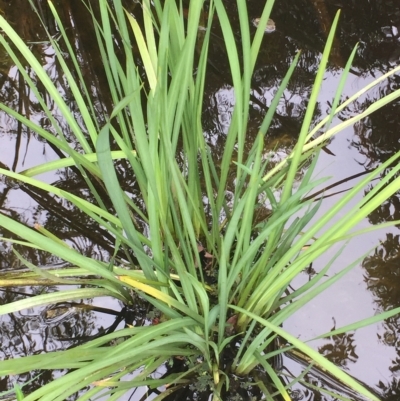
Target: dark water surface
<point>370,354</point>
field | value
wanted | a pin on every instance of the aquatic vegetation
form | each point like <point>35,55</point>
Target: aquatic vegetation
<point>230,327</point>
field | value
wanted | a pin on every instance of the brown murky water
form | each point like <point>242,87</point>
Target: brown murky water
<point>371,354</point>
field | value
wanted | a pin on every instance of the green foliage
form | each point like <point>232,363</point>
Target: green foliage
<point>161,138</point>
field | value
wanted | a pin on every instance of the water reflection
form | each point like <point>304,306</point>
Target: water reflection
<point>299,25</point>
<point>383,272</point>
<point>33,332</point>
<point>340,349</point>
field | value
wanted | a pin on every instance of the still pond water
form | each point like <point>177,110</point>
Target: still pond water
<point>371,354</point>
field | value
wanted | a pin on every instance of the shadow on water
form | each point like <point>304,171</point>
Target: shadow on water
<point>303,24</point>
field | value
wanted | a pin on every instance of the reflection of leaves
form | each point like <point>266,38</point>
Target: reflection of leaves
<point>395,368</point>
<point>378,136</point>
<point>390,390</point>
<point>389,210</point>
<point>340,350</point>
<point>382,278</point>
<point>383,273</point>
<point>390,337</point>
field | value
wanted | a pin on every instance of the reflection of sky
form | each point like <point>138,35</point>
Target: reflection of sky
<point>38,153</point>
<point>348,300</point>
<point>31,152</point>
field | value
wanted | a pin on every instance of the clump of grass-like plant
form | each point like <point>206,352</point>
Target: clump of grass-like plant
<point>158,119</point>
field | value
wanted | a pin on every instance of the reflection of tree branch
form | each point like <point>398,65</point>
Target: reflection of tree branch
<point>3,196</point>
<point>18,329</point>
<point>98,236</point>
<point>19,124</point>
<point>337,183</point>
<point>287,123</point>
<point>325,22</point>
